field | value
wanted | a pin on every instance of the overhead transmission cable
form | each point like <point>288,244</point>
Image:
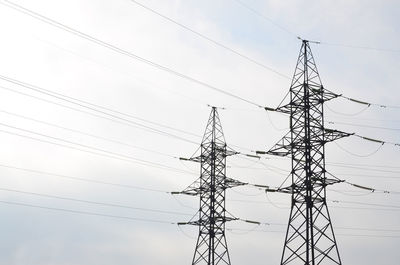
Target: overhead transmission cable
<point>95,181</point>
<point>285,29</point>
<point>97,136</point>
<point>365,168</point>
<point>371,189</point>
<point>179,213</point>
<point>205,37</point>
<point>246,231</point>
<point>114,48</point>
<point>120,122</point>
<point>388,209</point>
<point>86,213</point>
<point>115,205</point>
<point>125,73</point>
<point>135,187</point>
<point>347,114</point>
<point>114,117</point>
<point>382,142</point>
<point>362,102</point>
<point>84,105</point>
<point>362,165</point>
<point>364,125</point>
<point>360,47</point>
<point>170,222</point>
<point>91,149</point>
<point>100,116</point>
<point>124,120</point>
<point>359,155</point>
<point>261,15</point>
<point>86,134</point>
<point>370,167</point>
<point>366,188</point>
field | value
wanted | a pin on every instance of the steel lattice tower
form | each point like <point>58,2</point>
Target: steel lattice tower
<point>310,239</point>
<point>211,246</point>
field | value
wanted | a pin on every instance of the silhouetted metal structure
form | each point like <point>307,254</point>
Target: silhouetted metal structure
<point>211,246</point>
<point>310,239</point>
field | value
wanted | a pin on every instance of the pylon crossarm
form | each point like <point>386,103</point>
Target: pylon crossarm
<point>231,153</point>
<point>230,183</point>
<point>195,188</point>
<point>200,158</point>
<point>282,148</point>
<point>205,222</point>
<point>318,95</point>
<point>333,181</point>
<point>286,109</point>
<point>332,135</point>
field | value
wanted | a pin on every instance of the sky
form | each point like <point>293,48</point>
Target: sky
<point>112,176</point>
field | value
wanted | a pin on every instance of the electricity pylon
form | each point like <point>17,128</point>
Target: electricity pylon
<point>310,239</point>
<point>211,246</point>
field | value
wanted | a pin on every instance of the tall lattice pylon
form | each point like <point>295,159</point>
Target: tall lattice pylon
<point>310,239</point>
<point>211,246</point>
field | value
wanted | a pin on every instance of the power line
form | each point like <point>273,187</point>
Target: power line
<point>378,141</point>
<point>103,152</point>
<point>363,168</point>
<point>85,104</point>
<point>368,204</point>
<point>282,232</point>
<point>347,114</point>
<point>112,117</point>
<point>367,104</point>
<point>217,43</point>
<point>332,206</point>
<point>338,164</point>
<point>113,120</point>
<point>367,119</point>
<point>367,208</point>
<point>114,48</point>
<point>87,213</point>
<point>368,176</point>
<point>91,108</point>
<point>92,202</point>
<point>359,47</point>
<point>388,207</point>
<point>364,126</point>
<point>98,116</point>
<point>285,29</point>
<point>124,121</point>
<point>372,190</point>
<point>261,15</point>
<point>125,73</point>
<point>119,185</point>
<point>362,102</point>
<point>358,155</point>
<point>363,165</point>
<point>164,222</point>
<point>87,134</point>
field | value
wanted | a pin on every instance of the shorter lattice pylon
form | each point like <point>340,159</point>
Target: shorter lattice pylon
<point>211,246</point>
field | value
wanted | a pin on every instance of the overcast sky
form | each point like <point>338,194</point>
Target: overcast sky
<point>96,157</point>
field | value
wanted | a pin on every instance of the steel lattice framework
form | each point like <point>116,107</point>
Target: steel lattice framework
<point>310,239</point>
<point>211,246</point>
